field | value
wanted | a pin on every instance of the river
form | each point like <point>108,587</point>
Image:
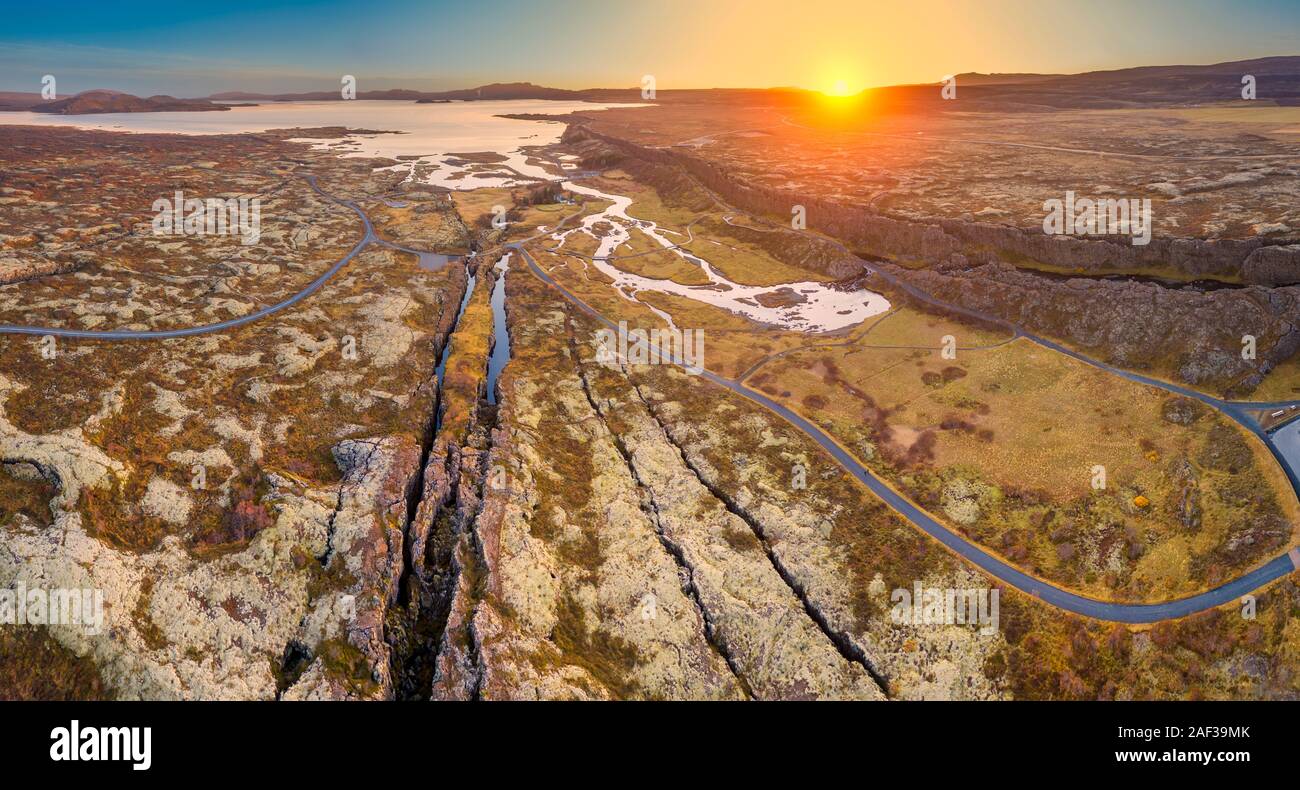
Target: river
<point>808,306</point>
<point>500,332</point>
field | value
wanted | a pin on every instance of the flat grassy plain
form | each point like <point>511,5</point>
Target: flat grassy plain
<point>689,218</point>
<point>733,342</point>
<point>1004,443</point>
<point>1238,112</point>
<point>479,205</point>
<point>643,259</point>
<point>1282,383</point>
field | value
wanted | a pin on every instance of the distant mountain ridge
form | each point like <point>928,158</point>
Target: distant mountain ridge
<point>104,101</point>
<point>1278,65</point>
<point>976,78</point>
<point>1277,80</point>
<point>1140,86</point>
<point>497,91</point>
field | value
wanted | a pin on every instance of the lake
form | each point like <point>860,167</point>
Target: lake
<point>430,132</point>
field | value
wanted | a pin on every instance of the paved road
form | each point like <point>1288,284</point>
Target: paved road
<point>162,334</point>
<point>1102,610</point>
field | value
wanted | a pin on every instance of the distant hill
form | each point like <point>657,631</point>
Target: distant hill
<point>396,94</point>
<point>498,91</point>
<point>975,78</point>
<point>1277,80</point>
<point>14,100</point>
<point>103,101</point>
<point>1280,65</point>
<point>502,91</point>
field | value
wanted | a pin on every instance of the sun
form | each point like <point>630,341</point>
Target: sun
<point>839,88</point>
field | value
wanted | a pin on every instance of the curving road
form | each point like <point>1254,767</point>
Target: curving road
<point>163,334</point>
<point>1045,591</point>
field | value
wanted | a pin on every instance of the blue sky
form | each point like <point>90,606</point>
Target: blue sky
<point>196,48</point>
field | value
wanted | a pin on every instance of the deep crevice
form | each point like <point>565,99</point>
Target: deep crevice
<point>845,645</point>
<point>711,634</point>
<point>479,557</point>
<point>485,420</point>
<point>416,622</point>
<point>295,661</point>
<point>324,559</point>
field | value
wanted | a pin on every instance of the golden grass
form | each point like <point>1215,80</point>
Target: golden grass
<point>743,262</point>
<point>1282,383</point>
<point>477,203</point>
<point>639,256</point>
<point>36,667</point>
<point>1032,423</point>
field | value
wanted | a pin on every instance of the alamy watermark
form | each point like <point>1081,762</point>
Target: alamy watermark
<point>182,216</point>
<point>946,606</point>
<point>684,347</point>
<point>76,606</point>
<point>1098,217</point>
<point>96,744</point>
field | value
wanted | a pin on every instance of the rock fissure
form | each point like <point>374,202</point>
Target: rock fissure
<point>418,618</point>
<point>843,643</point>
<point>651,508</point>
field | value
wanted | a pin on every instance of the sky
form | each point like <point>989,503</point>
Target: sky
<point>197,48</point>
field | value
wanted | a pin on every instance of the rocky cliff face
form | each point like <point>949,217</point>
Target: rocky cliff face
<point>1136,325</point>
<point>363,550</point>
<point>1254,260</point>
<point>563,588</point>
<point>1272,265</point>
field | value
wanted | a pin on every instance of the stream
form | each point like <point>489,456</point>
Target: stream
<point>500,332</point>
<point>799,306</point>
